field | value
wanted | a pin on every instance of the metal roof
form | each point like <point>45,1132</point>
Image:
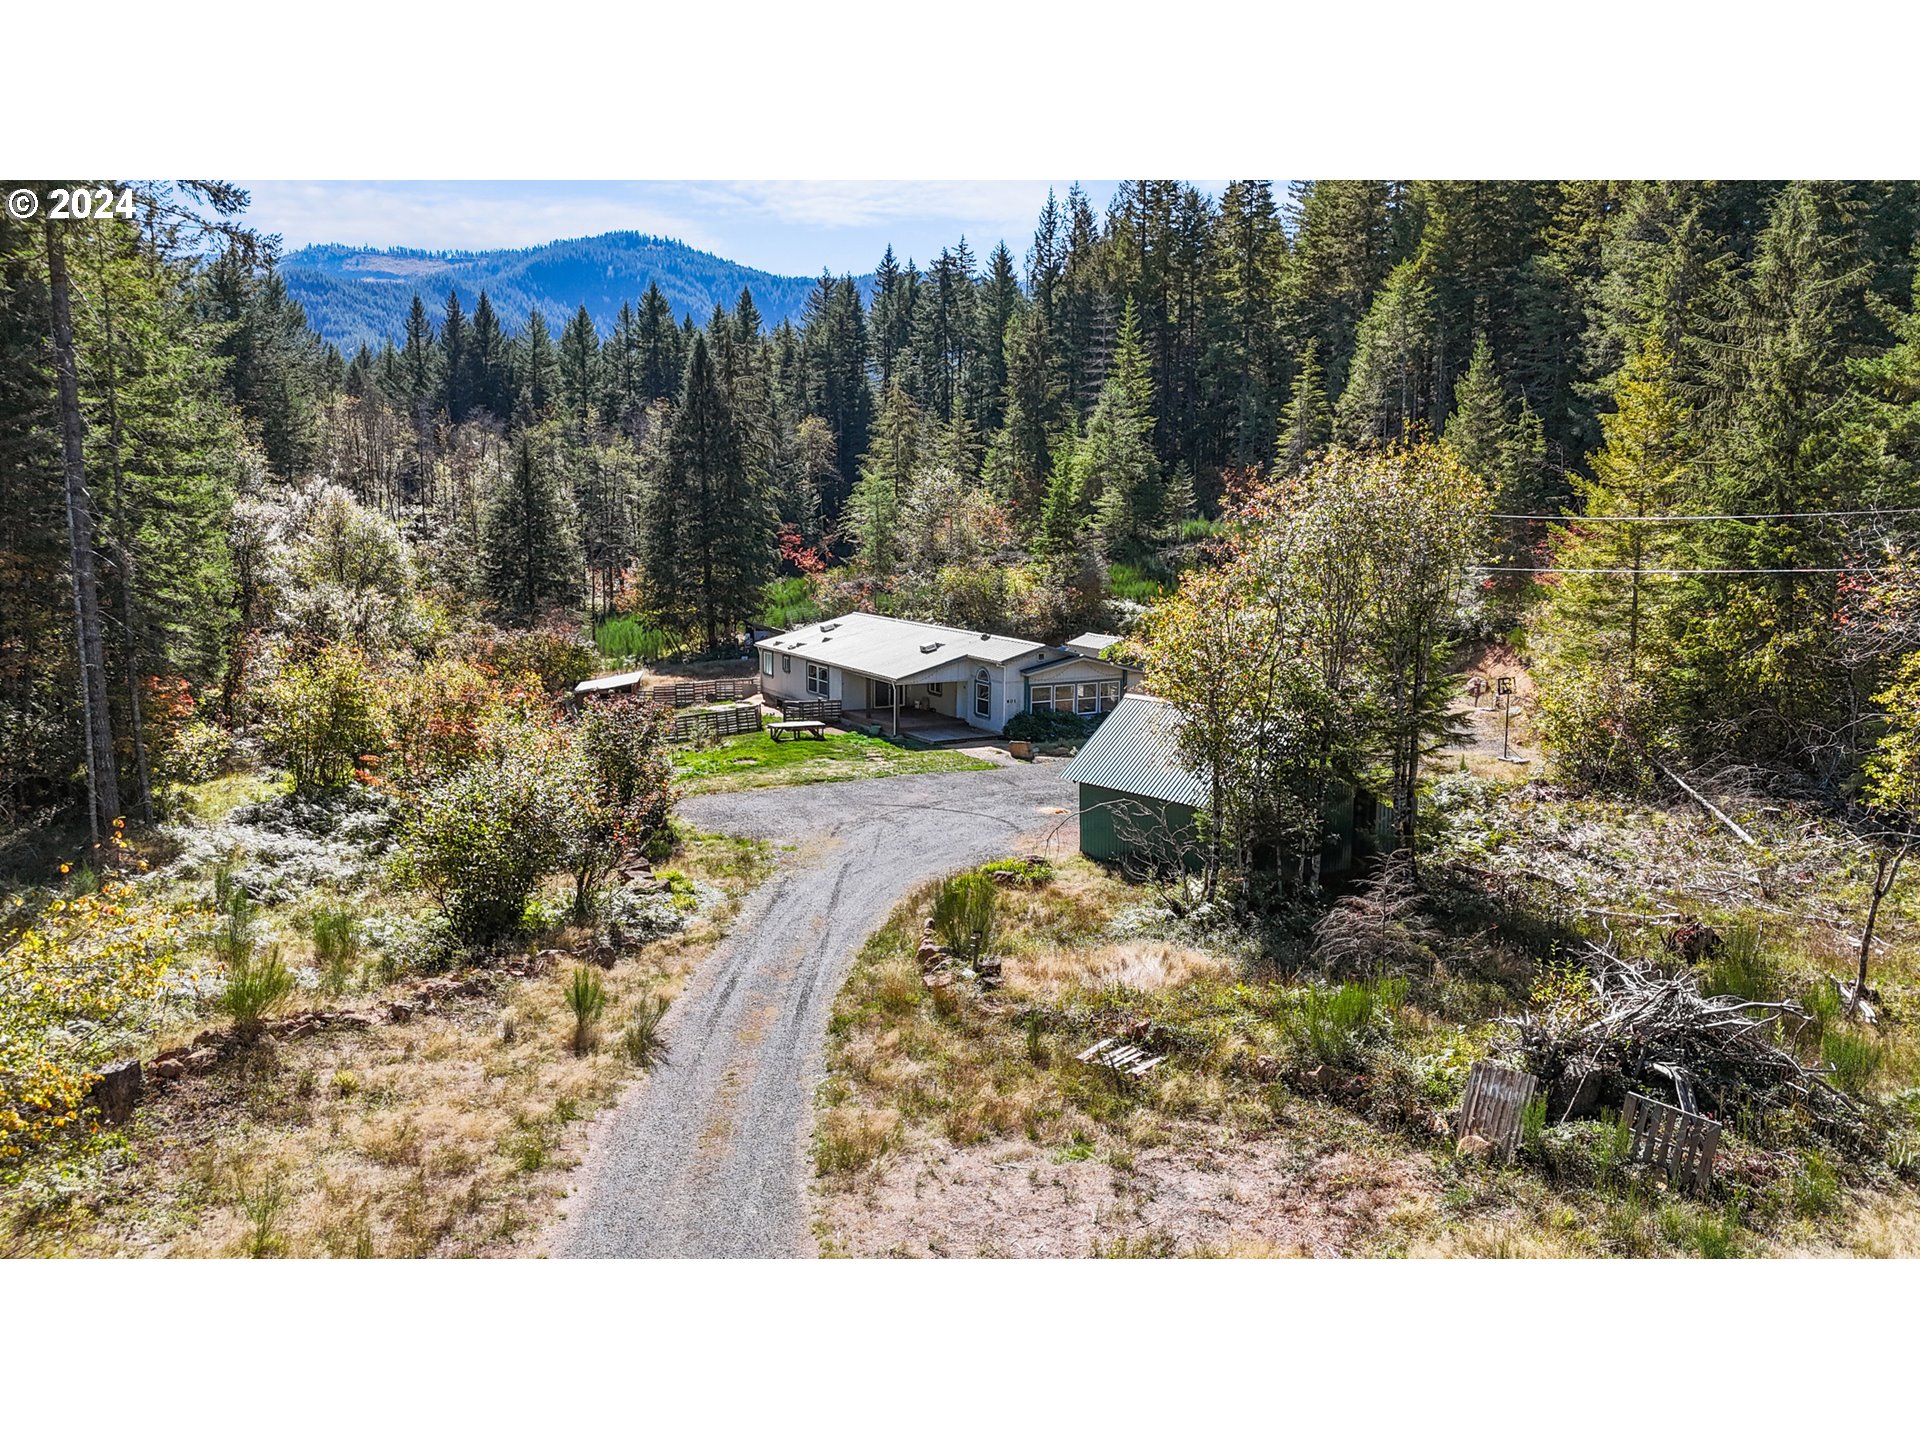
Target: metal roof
<point>610,682</point>
<point>1134,751</point>
<point>892,649</point>
<point>1093,642</point>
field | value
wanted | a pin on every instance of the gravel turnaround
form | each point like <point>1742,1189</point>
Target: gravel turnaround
<point>709,1157</point>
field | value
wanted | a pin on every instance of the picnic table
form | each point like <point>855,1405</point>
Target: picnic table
<point>783,730</point>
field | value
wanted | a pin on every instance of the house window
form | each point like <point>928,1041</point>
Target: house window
<point>816,679</point>
<point>766,662</point>
<point>936,687</point>
<point>1042,698</point>
<point>786,664</point>
<point>1087,700</point>
<point>882,695</point>
<point>983,695</point>
<point>1109,695</point>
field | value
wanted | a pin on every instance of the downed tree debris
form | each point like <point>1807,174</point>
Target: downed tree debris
<point>1634,1022</point>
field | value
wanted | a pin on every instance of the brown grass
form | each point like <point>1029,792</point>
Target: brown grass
<point>433,1137</point>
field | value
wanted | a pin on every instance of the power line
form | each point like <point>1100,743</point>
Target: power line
<point>1629,570</point>
<point>1666,519</point>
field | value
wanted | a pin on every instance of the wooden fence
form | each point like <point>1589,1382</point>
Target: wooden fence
<point>1496,1098</point>
<point>682,693</point>
<point>828,710</point>
<point>1681,1144</point>
<point>716,724</point>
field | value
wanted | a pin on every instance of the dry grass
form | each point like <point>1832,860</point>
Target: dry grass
<point>448,1134</point>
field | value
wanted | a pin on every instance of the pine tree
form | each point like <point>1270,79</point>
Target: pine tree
<point>886,478</point>
<point>417,367</point>
<point>535,371</point>
<point>1389,386</point>
<point>713,555</point>
<point>1122,474</point>
<point>580,366</point>
<point>1308,423</point>
<point>455,377</point>
<point>488,361</point>
<point>1033,409</point>
<point>530,555</point>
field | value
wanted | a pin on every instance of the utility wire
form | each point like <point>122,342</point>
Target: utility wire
<point>1673,519</point>
<point>1629,570</point>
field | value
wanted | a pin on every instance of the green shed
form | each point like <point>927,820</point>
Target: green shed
<point>1136,797</point>
<point>1138,800</point>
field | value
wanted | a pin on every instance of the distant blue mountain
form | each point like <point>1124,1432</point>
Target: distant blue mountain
<point>354,296</point>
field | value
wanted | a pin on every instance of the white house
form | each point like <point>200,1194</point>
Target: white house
<point>883,669</point>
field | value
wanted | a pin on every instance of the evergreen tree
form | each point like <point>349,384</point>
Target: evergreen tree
<point>530,555</point>
<point>535,372</point>
<point>886,478</point>
<point>1308,425</point>
<point>579,378</point>
<point>1122,474</point>
<point>489,363</point>
<point>455,375</point>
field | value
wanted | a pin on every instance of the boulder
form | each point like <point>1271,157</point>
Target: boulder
<point>1476,1147</point>
<point>204,1058</point>
<point>117,1089</point>
<point>169,1069</point>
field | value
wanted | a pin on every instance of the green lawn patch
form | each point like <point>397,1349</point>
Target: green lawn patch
<point>752,762</point>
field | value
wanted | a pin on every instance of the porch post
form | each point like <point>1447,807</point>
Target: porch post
<point>896,712</point>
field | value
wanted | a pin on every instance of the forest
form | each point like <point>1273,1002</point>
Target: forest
<point>1696,407</point>
<point>1315,451</point>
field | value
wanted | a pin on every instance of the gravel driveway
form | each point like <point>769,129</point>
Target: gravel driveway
<point>709,1157</point>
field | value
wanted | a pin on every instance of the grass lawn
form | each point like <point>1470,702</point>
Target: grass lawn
<point>751,762</point>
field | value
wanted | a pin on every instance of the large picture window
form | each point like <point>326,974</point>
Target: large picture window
<point>1086,697</point>
<point>817,679</point>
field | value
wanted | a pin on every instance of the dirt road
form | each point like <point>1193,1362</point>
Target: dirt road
<point>707,1157</point>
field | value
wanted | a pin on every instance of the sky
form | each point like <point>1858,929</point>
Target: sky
<point>787,227</point>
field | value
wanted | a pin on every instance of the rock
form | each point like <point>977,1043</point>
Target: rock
<point>202,1059</point>
<point>1476,1147</point>
<point>168,1069</point>
<point>116,1090</point>
<point>399,1012</point>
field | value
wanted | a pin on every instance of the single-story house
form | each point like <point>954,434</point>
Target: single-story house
<point>881,668</point>
<point>1140,800</point>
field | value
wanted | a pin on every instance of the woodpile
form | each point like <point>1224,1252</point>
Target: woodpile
<point>1637,1025</point>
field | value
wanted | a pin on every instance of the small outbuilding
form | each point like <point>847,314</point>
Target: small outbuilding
<point>1139,800</point>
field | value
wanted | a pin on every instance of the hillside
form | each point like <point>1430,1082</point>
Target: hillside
<point>354,295</point>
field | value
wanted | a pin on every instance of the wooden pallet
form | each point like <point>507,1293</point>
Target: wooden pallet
<point>1122,1058</point>
<point>1681,1144</point>
<point>717,724</point>
<point>1497,1096</point>
<point>827,710</point>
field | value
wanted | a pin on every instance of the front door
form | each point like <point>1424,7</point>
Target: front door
<point>882,695</point>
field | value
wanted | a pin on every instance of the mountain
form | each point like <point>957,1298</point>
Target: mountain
<point>358,295</point>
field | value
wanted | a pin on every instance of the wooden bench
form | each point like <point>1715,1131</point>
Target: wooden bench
<point>784,730</point>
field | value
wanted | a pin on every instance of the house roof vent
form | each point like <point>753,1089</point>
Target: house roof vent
<point>985,636</point>
<point>930,647</point>
<point>831,625</point>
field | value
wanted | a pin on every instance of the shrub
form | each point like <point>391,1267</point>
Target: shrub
<point>256,986</point>
<point>1337,1026</point>
<point>336,946</point>
<point>1816,1186</point>
<point>322,716</point>
<point>964,909</point>
<point>1741,966</point>
<point>623,638</point>
<point>1051,727</point>
<point>1852,1058</point>
<point>640,1041</point>
<point>1032,871</point>
<point>482,839</point>
<point>554,652</point>
<point>587,999</point>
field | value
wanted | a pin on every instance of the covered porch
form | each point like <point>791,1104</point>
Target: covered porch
<point>927,707</point>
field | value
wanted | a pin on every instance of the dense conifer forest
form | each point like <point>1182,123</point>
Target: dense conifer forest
<point>1695,408</point>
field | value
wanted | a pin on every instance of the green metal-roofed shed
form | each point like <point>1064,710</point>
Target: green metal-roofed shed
<point>1137,799</point>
